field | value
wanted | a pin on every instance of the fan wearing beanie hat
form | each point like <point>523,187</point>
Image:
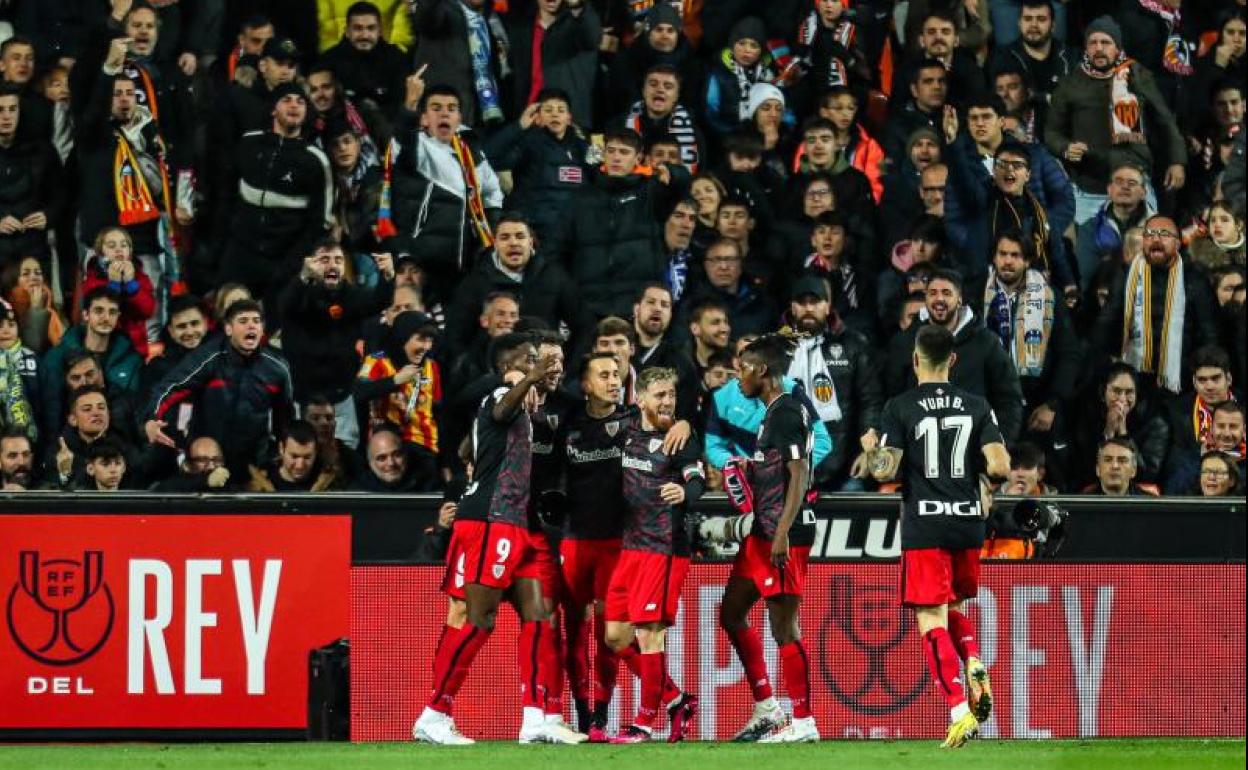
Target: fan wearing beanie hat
<point>743,64</point>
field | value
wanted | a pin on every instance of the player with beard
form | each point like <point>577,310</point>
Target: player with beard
<point>491,556</point>
<point>644,593</point>
<point>771,564</point>
<point>948,439</point>
<point>591,441</point>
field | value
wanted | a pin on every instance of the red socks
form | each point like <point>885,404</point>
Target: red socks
<point>943,663</point>
<point>631,656</point>
<point>606,662</point>
<point>962,631</point>
<point>532,692</point>
<point>749,647</point>
<point>576,651</point>
<point>551,658</point>
<point>796,670</point>
<point>459,647</point>
<point>650,664</point>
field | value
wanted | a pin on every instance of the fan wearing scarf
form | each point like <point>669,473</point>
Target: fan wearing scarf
<point>440,197</point>
<point>1109,110</point>
<point>1158,311</point>
<point>743,63</point>
<point>120,142</point>
<point>1020,308</point>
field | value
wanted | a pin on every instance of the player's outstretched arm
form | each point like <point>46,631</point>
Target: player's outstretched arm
<point>513,399</point>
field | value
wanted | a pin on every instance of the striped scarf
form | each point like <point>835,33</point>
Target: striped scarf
<point>842,34</point>
<point>1025,327</point>
<point>1177,56</point>
<point>135,202</point>
<point>1126,119</point>
<point>472,191</point>
<point>1139,347</point>
<point>1004,215</point>
<point>679,124</point>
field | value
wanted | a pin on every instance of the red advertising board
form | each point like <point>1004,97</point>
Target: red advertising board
<point>167,622</point>
<point>1073,649</point>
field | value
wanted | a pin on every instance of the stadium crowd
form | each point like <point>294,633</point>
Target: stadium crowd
<point>260,245</point>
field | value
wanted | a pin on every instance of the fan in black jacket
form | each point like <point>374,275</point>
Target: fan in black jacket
<point>284,192</point>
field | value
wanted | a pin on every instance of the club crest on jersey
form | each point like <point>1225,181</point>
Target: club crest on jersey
<point>497,569</point>
<point>553,421</point>
<point>613,428</point>
<point>822,387</point>
<point>655,443</point>
<point>836,350</point>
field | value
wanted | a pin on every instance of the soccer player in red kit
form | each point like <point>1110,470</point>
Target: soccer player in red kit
<point>491,555</point>
<point>772,561</point>
<point>941,441</point>
<point>644,594</point>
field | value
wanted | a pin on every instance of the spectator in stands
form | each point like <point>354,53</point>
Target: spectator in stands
<point>345,463</point>
<point>460,45</point>
<point>17,461</point>
<point>499,313</point>
<point>932,183</point>
<point>656,346</point>
<point>38,317</point>
<point>912,262</point>
<point>19,378</point>
<point>1223,244</point>
<point>388,469</point>
<point>296,467</point>
<point>660,111</point>
<point>400,386</point>
<point>995,185</point>
<point>1120,411</point>
<point>331,109</point>
<point>1095,128</point>
<point>545,153</point>
<point>833,365</point>
<point>284,191</point>
<point>750,310</point>
<point>111,264</point>
<point>245,104</point>
<point>938,42</point>
<point>515,267</point>
<point>202,470</point>
<point>321,314</point>
<point>745,62</point>
<point>1034,327</point>
<point>105,467</point>
<point>1190,417</point>
<point>1040,56</point>
<point>17,73</point>
<point>244,58</point>
<point>554,44</point>
<point>663,42</point>
<point>1228,432</point>
<point>613,237</point>
<point>614,335</point>
<point>97,334</point>
<point>682,254</point>
<point>30,198</point>
<point>240,387</point>
<point>371,69</point>
<point>357,194</point>
<point>852,192</point>
<point>88,421</point>
<point>983,368</point>
<point>710,330</point>
<point>441,195</point>
<point>186,329</point>
<point>902,202</point>
<point>1219,476</point>
<point>1101,237</point>
<point>1149,325</point>
<point>405,297</point>
<point>1028,472</point>
<point>123,162</point>
<point>836,261</point>
<point>839,105</point>
<point>1116,469</point>
<point>1025,112</point>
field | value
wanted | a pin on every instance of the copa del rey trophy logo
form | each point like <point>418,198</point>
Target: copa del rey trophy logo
<point>60,611</point>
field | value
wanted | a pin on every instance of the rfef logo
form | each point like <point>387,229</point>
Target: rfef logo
<point>61,611</point>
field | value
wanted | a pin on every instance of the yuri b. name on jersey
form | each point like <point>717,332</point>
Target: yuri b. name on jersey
<point>936,403</point>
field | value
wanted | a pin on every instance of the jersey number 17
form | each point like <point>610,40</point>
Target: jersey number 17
<point>929,431</point>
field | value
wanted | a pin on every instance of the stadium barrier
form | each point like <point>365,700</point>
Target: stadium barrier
<point>158,617</point>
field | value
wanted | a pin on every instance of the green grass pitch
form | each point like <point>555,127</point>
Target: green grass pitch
<point>1105,754</point>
